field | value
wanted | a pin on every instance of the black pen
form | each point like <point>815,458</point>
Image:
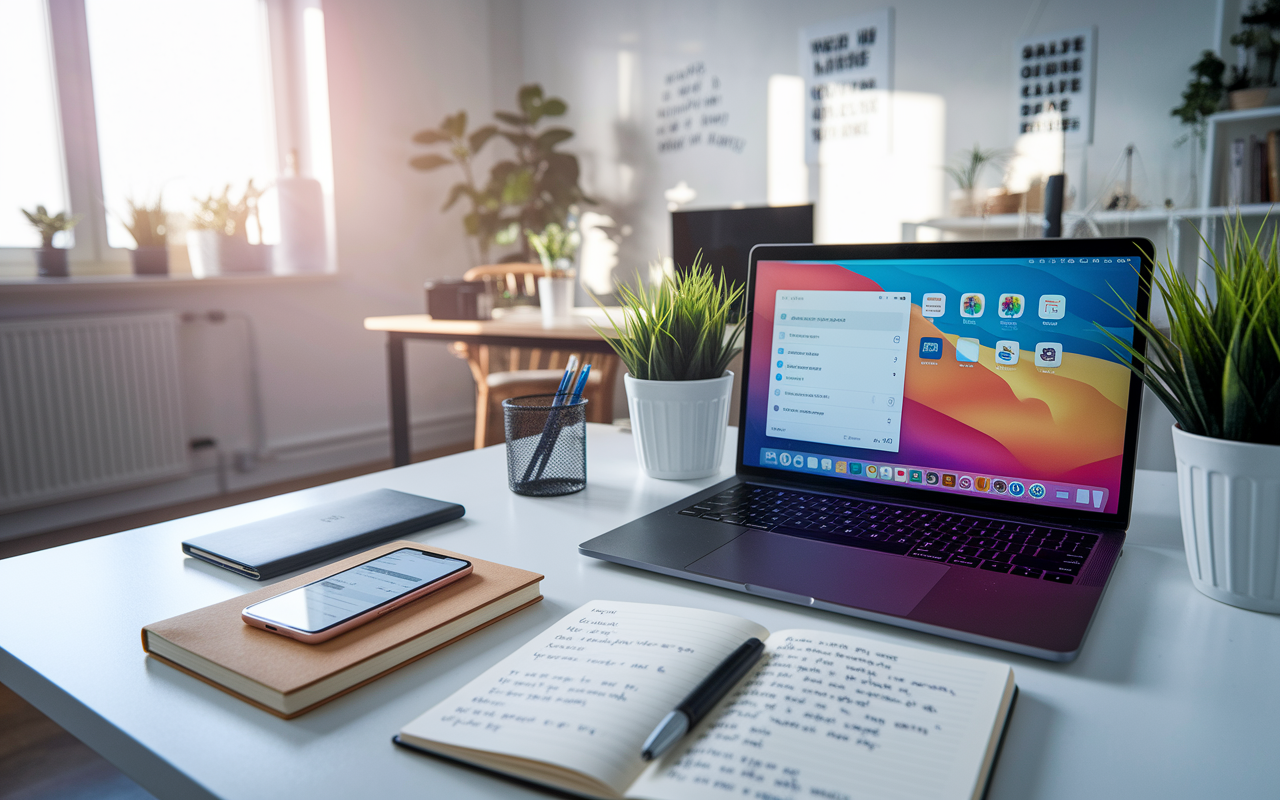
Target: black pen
<point>703,698</point>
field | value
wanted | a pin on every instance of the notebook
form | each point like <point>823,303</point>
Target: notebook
<point>939,436</point>
<point>289,678</point>
<point>822,715</point>
<point>284,543</point>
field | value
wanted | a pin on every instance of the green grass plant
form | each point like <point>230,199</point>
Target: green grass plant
<point>683,329</point>
<point>1217,370</point>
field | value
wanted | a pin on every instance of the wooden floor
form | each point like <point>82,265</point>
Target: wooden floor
<point>41,761</point>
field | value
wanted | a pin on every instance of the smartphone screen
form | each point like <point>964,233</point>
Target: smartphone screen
<point>352,592</point>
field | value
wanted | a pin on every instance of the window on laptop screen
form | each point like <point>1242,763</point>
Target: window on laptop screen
<point>980,377</point>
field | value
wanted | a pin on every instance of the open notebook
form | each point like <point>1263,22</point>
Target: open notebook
<point>823,715</point>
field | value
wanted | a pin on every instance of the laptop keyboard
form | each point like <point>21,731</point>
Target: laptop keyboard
<point>1029,551</point>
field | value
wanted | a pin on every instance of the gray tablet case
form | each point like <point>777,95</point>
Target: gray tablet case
<point>274,546</point>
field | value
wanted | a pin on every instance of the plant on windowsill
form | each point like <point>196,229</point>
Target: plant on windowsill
<point>149,227</point>
<point>967,173</point>
<point>1217,370</point>
<point>677,339</point>
<point>556,247</point>
<point>51,262</point>
<point>218,241</point>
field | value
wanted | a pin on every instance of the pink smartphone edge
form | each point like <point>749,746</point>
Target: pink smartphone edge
<point>354,622</point>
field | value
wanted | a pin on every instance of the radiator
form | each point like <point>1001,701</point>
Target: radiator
<point>88,405</point>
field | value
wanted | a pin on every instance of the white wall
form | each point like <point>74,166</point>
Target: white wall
<point>961,52</point>
<point>395,66</point>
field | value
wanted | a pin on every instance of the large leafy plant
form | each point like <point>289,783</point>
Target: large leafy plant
<point>534,188</point>
<point>1217,370</point>
<point>676,331</point>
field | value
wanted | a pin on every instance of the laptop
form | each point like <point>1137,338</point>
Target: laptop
<point>937,436</point>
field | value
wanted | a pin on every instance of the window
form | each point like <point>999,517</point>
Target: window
<point>135,99</point>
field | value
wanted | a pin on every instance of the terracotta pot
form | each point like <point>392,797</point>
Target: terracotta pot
<point>1248,98</point>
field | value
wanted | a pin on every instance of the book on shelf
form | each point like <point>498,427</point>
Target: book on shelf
<point>289,678</point>
<point>822,715</point>
<point>1235,174</point>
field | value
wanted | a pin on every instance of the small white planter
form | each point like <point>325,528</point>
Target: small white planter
<point>1229,493</point>
<point>555,296</point>
<point>679,426</point>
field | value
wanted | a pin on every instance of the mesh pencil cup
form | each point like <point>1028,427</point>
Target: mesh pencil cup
<point>546,445</point>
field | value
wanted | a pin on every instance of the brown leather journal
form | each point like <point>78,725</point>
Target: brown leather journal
<point>289,678</point>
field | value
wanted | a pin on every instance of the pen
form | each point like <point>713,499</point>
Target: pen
<point>555,432</point>
<point>565,382</point>
<point>703,698</point>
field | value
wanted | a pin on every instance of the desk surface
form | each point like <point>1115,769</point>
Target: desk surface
<point>1174,695</point>
<point>521,323</point>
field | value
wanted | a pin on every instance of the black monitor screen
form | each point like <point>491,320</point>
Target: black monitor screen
<point>726,235</point>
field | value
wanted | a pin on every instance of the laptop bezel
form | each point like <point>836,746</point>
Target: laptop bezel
<point>1021,248</point>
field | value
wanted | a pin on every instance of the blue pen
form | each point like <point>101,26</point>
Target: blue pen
<point>562,392</point>
<point>555,433</point>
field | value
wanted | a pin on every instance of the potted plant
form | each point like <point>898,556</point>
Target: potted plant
<point>676,340</point>
<point>525,193</point>
<point>1251,81</point>
<point>218,241</point>
<point>51,262</point>
<point>555,246</point>
<point>965,202</point>
<point>1217,370</point>
<point>148,225</point>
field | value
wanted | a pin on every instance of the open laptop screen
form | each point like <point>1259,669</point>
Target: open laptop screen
<point>977,377</point>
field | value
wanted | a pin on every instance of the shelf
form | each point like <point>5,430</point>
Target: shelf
<point>1142,215</point>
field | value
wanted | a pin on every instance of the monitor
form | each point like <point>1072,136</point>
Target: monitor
<point>725,236</point>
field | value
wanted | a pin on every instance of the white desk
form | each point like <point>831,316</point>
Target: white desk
<point>1174,695</point>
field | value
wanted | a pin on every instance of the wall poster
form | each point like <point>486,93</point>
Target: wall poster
<point>1056,84</point>
<point>848,72</point>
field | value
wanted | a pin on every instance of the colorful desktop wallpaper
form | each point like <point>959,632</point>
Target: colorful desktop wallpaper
<point>1066,424</point>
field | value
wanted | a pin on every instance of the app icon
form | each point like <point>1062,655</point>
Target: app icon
<point>798,461</point>
<point>784,316</point>
<point>1011,306</point>
<point>779,362</point>
<point>770,457</point>
<point>999,486</point>
<point>886,473</point>
<point>778,377</point>
<point>871,470</point>
<point>855,468</point>
<point>948,479</point>
<point>931,478</point>
<point>965,482</point>
<point>1053,306</point>
<point>933,304</point>
<point>1016,488</point>
<point>982,484</point>
<point>930,347</point>
<point>1082,496</point>
<point>1006,352</point>
<point>780,351</point>
<point>972,304</point>
<point>900,474</point>
<point>812,463</point>
<point>1049,354</point>
<point>915,476</point>
<point>1036,490</point>
<point>842,466</point>
<point>826,465</point>
<point>1063,494</point>
<point>967,349</point>
<point>782,334</point>
<point>1097,498</point>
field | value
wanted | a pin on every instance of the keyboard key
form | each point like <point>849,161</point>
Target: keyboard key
<point>928,556</point>
<point>712,516</point>
<point>968,550</point>
<point>689,512</point>
<point>1056,578</point>
<point>758,526</point>
<point>1036,563</point>
<point>964,561</point>
<point>1024,572</point>
<point>733,520</point>
<point>994,566</point>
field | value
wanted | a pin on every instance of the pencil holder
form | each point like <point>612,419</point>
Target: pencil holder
<point>546,445</point>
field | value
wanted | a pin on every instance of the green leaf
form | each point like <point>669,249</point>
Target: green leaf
<point>529,98</point>
<point>512,119</point>
<point>431,136</point>
<point>429,162</point>
<point>518,187</point>
<point>554,107</point>
<point>552,137</point>
<point>480,137</point>
<point>456,125</point>
<point>516,138</point>
<point>455,192</point>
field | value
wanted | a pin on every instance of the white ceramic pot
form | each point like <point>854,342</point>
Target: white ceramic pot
<point>555,296</point>
<point>679,426</point>
<point>1229,493</point>
<point>205,252</point>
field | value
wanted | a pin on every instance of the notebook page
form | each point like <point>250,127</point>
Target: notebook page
<point>585,693</point>
<point>828,716</point>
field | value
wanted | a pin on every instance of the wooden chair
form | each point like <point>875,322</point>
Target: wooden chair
<point>505,372</point>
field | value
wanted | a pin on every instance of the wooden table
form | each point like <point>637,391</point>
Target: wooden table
<point>518,328</point>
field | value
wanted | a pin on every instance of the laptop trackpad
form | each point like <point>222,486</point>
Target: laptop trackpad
<point>848,576</point>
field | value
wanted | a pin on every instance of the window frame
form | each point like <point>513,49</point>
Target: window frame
<point>78,128</point>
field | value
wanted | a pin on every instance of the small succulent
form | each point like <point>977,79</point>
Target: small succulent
<point>148,224</point>
<point>50,225</point>
<point>219,213</point>
<point>555,245</point>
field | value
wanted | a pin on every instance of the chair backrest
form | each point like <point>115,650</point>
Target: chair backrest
<point>519,279</point>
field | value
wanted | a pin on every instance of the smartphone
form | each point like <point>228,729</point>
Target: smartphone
<point>325,608</point>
